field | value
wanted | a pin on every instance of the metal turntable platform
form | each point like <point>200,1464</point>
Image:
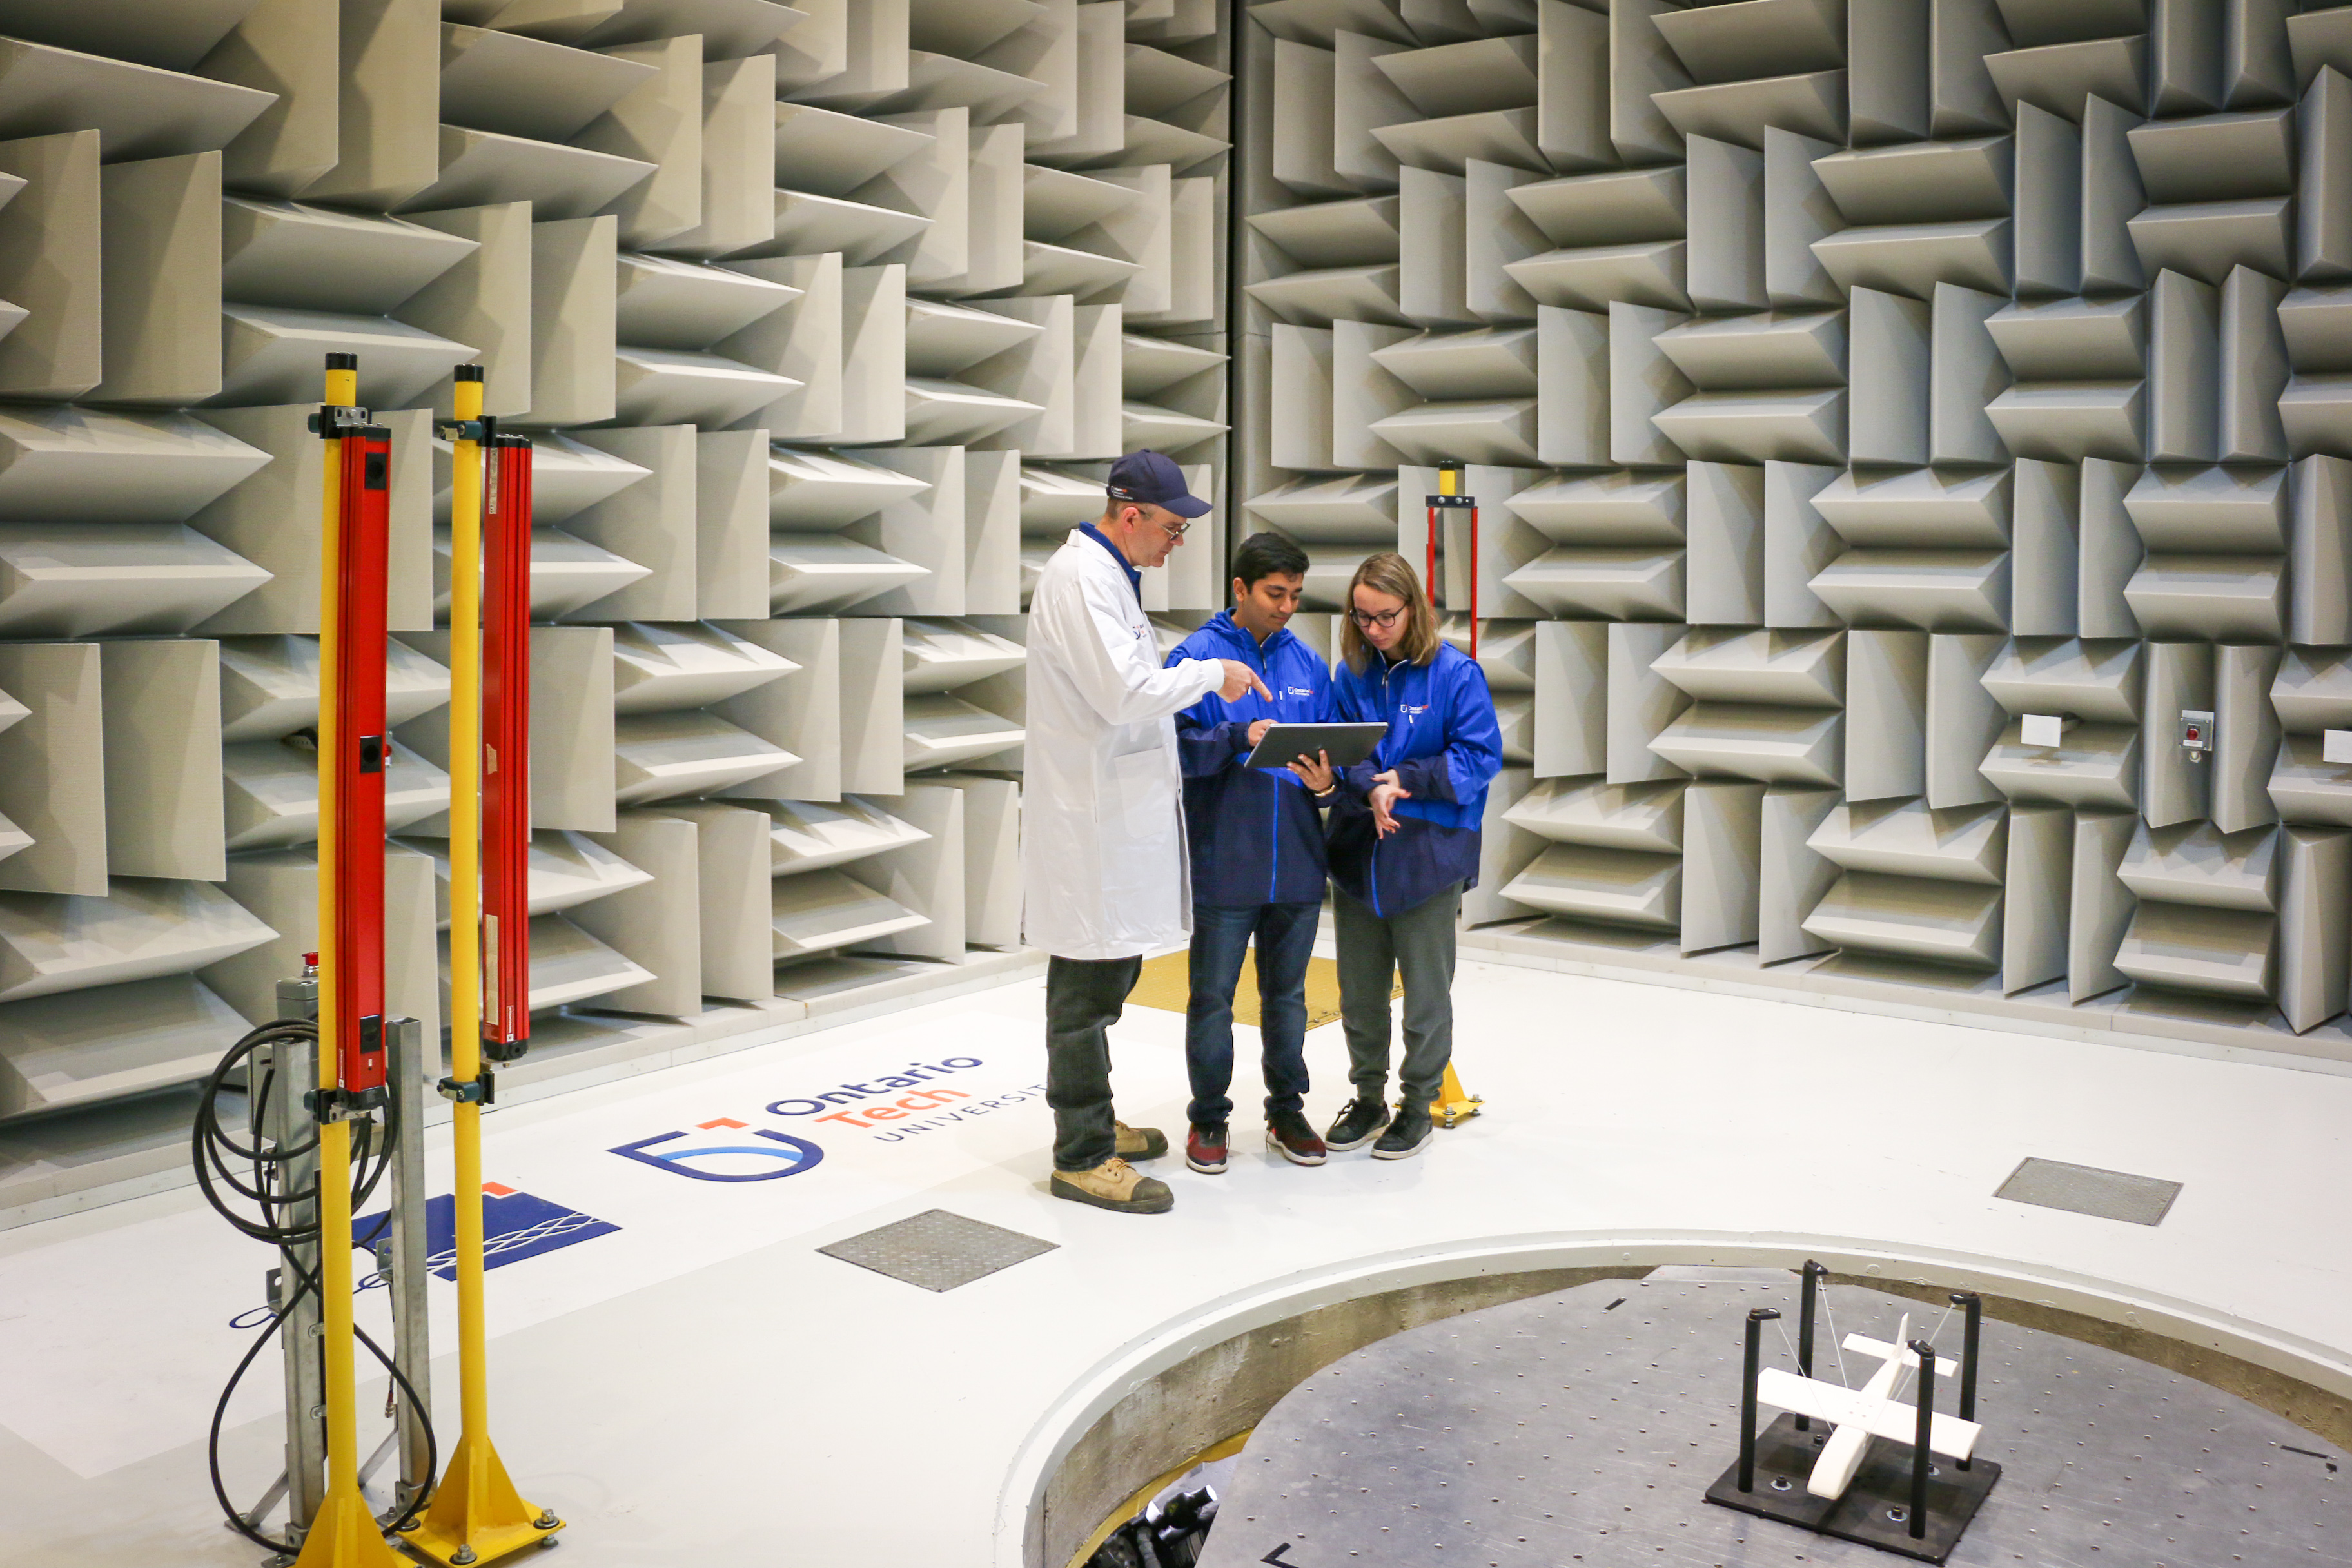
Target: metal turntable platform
<point>1585,1427</point>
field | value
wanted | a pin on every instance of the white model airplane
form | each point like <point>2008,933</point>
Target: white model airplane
<point>1862,1413</point>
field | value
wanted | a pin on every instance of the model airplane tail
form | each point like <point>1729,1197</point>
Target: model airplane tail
<point>1907,1358</point>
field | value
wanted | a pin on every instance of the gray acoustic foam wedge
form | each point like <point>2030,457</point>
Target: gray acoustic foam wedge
<point>1887,425</point>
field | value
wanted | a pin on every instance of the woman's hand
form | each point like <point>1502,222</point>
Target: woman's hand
<point>1316,776</point>
<point>1386,793</point>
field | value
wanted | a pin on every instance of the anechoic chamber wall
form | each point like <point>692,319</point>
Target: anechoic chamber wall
<point>824,320</point>
<point>1845,383</point>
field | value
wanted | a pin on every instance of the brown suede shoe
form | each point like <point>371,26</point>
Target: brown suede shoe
<point>1140,1143</point>
<point>1115,1185</point>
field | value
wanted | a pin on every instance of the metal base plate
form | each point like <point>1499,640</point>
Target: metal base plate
<point>938,1251</point>
<point>2087,1189</point>
<point>1876,1508</point>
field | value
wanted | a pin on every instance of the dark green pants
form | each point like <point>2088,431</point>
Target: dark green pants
<point>1084,998</point>
<point>1419,944</point>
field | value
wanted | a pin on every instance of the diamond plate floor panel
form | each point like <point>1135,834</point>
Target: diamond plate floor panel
<point>937,1250</point>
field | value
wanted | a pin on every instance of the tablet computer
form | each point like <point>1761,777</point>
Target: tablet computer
<point>1347,743</point>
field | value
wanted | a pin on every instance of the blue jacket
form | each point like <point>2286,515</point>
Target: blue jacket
<point>1445,746</point>
<point>1256,834</point>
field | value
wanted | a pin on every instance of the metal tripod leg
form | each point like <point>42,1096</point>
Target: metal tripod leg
<point>412,1347</point>
<point>291,1069</point>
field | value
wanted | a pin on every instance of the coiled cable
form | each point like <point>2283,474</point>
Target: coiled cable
<point>217,1153</point>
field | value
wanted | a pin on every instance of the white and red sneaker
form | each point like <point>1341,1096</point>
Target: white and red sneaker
<point>1204,1149</point>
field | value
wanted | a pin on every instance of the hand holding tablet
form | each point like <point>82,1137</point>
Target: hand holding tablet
<point>1344,745</point>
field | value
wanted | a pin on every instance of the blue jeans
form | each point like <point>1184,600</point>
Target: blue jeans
<point>1221,937</point>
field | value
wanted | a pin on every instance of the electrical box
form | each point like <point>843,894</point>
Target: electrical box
<point>2335,745</point>
<point>2196,732</point>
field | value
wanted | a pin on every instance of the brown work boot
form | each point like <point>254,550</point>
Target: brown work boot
<point>1116,1186</point>
<point>1140,1143</point>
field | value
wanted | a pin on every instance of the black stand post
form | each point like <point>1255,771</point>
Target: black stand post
<point>1757,1318</point>
<point>1919,1450</point>
<point>1814,1273</point>
<point>1973,1304</point>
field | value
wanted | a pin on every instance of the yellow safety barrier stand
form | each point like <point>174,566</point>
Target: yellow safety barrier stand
<point>477,1515</point>
<point>344,1534</point>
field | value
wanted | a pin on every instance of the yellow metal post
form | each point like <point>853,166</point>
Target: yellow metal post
<point>1452,1106</point>
<point>345,1533</point>
<point>475,1515</point>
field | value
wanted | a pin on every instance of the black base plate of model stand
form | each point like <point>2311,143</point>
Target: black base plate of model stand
<point>1881,1488</point>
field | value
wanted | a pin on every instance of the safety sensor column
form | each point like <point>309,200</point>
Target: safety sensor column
<point>353,750</point>
<point>506,749</point>
<point>476,1514</point>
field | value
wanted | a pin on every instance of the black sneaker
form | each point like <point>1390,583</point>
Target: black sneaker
<point>1204,1148</point>
<point>1287,1133</point>
<point>1356,1125</point>
<point>1406,1136</point>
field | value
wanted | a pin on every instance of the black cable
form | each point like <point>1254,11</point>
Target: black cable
<point>214,1151</point>
<point>308,1285</point>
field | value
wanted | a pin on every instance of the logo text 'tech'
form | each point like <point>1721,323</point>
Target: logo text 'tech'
<point>859,1096</point>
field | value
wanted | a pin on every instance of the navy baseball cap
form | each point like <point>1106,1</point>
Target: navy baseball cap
<point>1153,479</point>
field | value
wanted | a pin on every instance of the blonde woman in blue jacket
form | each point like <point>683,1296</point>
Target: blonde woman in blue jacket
<point>1403,842</point>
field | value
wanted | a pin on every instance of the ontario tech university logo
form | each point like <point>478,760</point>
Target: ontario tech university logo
<point>759,1155</point>
<point>780,1155</point>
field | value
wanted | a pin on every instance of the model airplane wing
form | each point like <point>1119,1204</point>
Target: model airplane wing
<point>1809,1396</point>
<point>1896,1422</point>
<point>1950,1436</point>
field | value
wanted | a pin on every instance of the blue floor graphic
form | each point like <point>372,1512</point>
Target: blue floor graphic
<point>515,1225</point>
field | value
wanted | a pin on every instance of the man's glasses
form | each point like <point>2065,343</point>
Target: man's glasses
<point>1384,619</point>
<point>1177,529</point>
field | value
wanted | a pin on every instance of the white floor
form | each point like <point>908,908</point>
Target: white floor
<point>701,1386</point>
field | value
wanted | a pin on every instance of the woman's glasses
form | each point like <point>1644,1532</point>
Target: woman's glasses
<point>1384,619</point>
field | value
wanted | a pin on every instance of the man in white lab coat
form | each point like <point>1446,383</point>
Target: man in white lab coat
<point>1103,869</point>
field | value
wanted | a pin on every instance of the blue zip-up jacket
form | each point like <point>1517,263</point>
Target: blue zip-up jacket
<point>1445,746</point>
<point>1256,834</point>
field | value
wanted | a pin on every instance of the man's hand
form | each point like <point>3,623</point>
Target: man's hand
<point>1241,678</point>
<point>1316,776</point>
<point>1257,731</point>
<point>1386,793</point>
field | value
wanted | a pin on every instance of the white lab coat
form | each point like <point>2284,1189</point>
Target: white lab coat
<point>1104,872</point>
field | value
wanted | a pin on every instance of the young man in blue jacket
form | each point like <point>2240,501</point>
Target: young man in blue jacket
<point>1258,855</point>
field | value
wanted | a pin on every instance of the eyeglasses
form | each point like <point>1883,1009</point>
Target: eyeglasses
<point>1176,530</point>
<point>1384,619</point>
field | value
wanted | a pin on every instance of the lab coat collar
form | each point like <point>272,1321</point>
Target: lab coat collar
<point>1134,577</point>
